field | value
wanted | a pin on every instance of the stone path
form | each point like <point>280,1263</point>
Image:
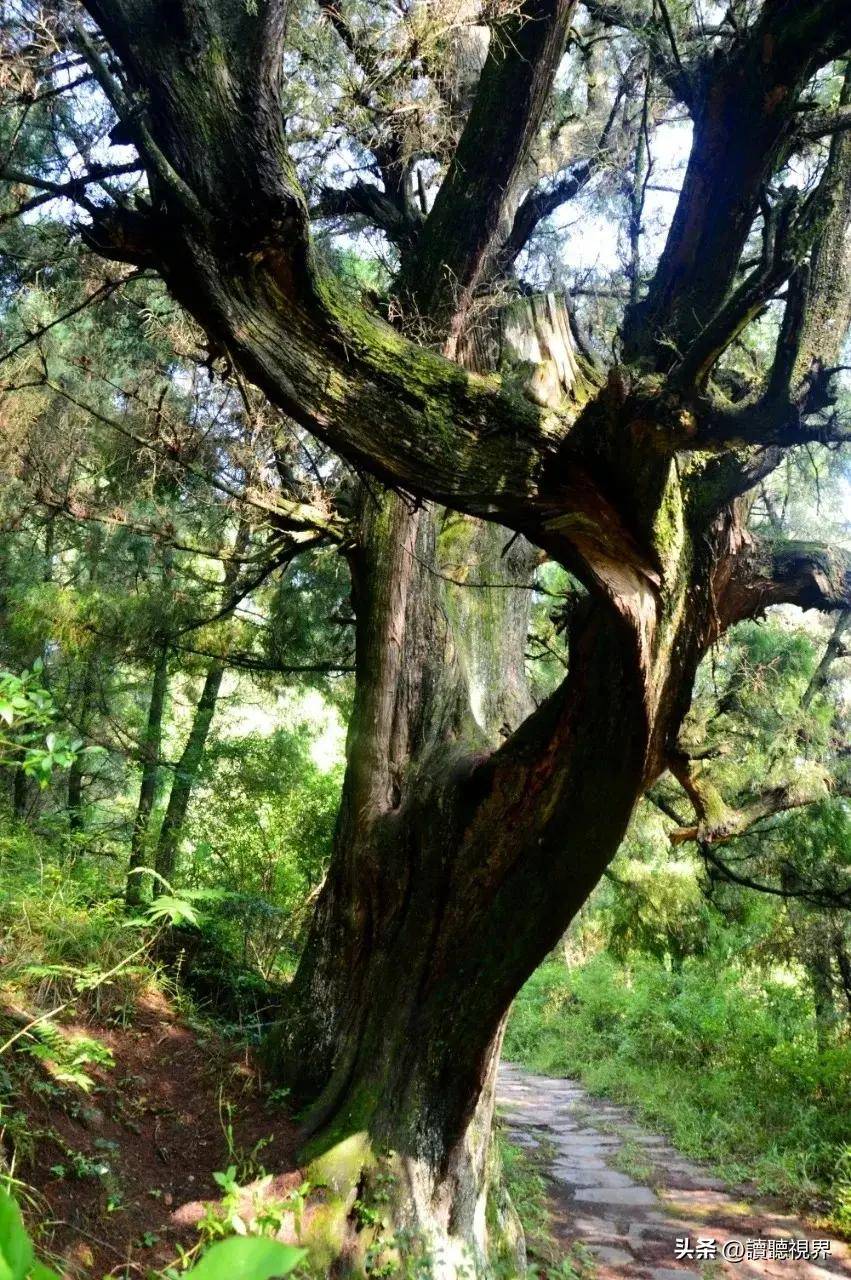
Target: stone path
<point>629,1196</point>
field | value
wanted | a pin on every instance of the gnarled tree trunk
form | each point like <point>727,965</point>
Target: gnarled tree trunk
<point>445,855</point>
<point>458,864</point>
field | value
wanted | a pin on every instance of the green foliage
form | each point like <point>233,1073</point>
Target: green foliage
<point>251,1258</point>
<point>262,830</point>
<point>527,1187</point>
<point>28,738</point>
<point>249,1210</point>
<point>17,1256</point>
<point>60,926</point>
<point>68,1056</point>
<point>248,1258</point>
<point>363,278</point>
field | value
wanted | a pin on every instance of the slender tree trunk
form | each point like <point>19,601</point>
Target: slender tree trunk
<point>843,964</point>
<point>151,752</point>
<point>85,699</point>
<point>76,773</point>
<point>637,194</point>
<point>186,772</point>
<point>821,981</point>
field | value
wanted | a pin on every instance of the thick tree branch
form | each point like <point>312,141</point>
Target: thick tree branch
<point>784,243</point>
<point>159,167</point>
<point>544,199</point>
<point>718,823</point>
<point>817,327</point>
<point>835,648</point>
<point>799,399</point>
<point>74,189</point>
<point>820,124</point>
<point>819,896</point>
<point>733,823</point>
<point>460,232</point>
<point>415,420</point>
<point>808,574</point>
<point>389,153</point>
<point>365,200</point>
<point>540,203</point>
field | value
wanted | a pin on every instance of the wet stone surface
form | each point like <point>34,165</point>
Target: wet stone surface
<point>628,1196</point>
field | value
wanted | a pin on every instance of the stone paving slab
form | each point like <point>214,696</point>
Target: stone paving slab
<point>630,1224</point>
<point>616,1197</point>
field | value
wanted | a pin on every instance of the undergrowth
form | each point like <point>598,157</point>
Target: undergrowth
<point>72,962</point>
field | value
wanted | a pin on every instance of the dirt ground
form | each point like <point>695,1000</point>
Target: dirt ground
<point>121,1173</point>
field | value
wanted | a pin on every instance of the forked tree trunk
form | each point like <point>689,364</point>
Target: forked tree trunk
<point>464,846</point>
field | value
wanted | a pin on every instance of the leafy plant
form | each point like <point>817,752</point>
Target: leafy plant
<point>29,738</point>
<point>17,1256</point>
<point>68,1056</point>
<point>248,1258</point>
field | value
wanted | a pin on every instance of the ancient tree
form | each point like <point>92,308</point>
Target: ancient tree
<point>474,825</point>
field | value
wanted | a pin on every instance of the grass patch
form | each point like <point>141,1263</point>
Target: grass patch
<point>632,1160</point>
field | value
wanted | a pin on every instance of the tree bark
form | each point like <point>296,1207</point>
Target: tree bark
<point>75,797</point>
<point>843,964</point>
<point>20,792</point>
<point>76,773</point>
<point>453,815</point>
<point>817,962</point>
<point>393,1024</point>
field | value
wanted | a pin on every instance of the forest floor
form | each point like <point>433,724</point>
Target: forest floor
<point>120,1175</point>
<point>626,1196</point>
<point>123,1175</point>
